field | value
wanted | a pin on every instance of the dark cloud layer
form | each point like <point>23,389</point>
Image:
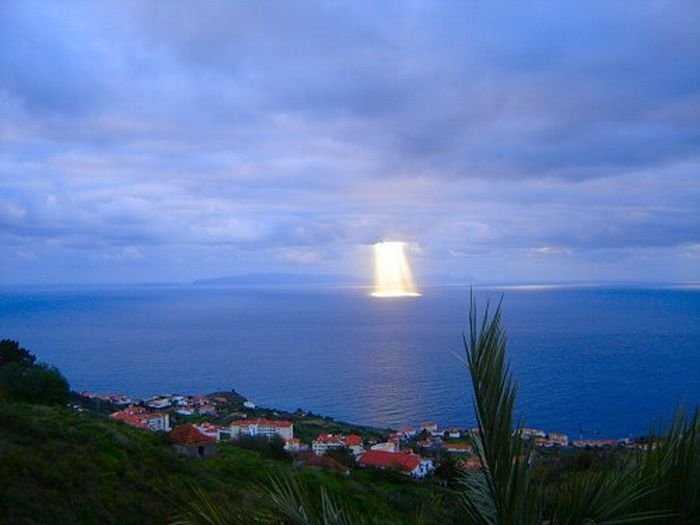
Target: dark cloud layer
<point>151,140</point>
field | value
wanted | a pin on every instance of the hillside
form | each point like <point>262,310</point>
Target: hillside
<point>62,466</point>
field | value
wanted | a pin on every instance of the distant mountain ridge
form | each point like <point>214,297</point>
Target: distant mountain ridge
<point>281,279</point>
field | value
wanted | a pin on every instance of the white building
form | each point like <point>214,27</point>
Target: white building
<point>325,442</point>
<point>159,403</point>
<point>526,433</point>
<point>454,433</point>
<point>429,427</point>
<point>139,418</point>
<point>556,438</point>
<point>158,421</point>
<point>387,446</point>
<point>294,445</point>
<point>408,432</point>
<point>262,427</point>
<point>208,429</point>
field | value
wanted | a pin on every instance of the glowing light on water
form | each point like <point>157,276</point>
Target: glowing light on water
<point>392,274</point>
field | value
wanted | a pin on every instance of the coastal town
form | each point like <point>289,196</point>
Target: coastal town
<point>196,424</point>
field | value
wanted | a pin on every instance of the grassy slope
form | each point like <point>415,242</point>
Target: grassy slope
<point>59,466</point>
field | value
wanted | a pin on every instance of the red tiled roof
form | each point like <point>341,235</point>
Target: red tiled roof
<point>208,427</point>
<point>131,409</point>
<point>134,420</point>
<point>329,438</point>
<point>380,458</point>
<point>136,417</point>
<point>352,440</point>
<point>189,435</point>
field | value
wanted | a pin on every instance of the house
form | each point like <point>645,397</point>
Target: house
<point>388,446</point>
<point>249,405</point>
<point>160,402</point>
<point>208,429</point>
<point>526,433</point>
<point>430,442</point>
<point>397,436</point>
<point>138,417</point>
<point>131,410</point>
<point>454,433</point>
<point>115,399</point>
<point>325,442</point>
<point>457,448</point>
<point>199,400</point>
<point>206,409</point>
<point>408,432</point>
<point>262,427</point>
<point>558,439</point>
<point>408,463</point>
<point>429,427</point>
<point>594,443</point>
<point>354,443</point>
<point>188,440</point>
<point>294,445</point>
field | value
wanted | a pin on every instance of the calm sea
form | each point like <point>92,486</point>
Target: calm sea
<point>606,360</point>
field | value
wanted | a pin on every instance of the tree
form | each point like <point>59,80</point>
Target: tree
<point>342,455</point>
<point>22,379</point>
<point>41,384</point>
<point>12,352</point>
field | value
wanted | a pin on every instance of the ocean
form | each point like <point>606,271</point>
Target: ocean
<point>592,361</point>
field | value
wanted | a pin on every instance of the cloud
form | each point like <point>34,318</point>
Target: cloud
<point>127,253</point>
<point>553,250</point>
<point>224,137</point>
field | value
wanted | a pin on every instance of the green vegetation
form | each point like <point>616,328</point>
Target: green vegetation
<point>22,379</point>
<point>60,466</point>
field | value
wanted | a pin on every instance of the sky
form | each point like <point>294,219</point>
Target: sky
<point>515,142</point>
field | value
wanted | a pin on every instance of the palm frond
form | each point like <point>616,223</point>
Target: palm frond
<point>610,497</point>
<point>288,500</point>
<point>671,466</point>
<point>502,492</point>
<point>196,507</point>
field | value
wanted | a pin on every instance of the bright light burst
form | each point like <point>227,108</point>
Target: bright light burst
<point>392,274</point>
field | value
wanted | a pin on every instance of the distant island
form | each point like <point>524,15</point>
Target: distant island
<point>281,279</point>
